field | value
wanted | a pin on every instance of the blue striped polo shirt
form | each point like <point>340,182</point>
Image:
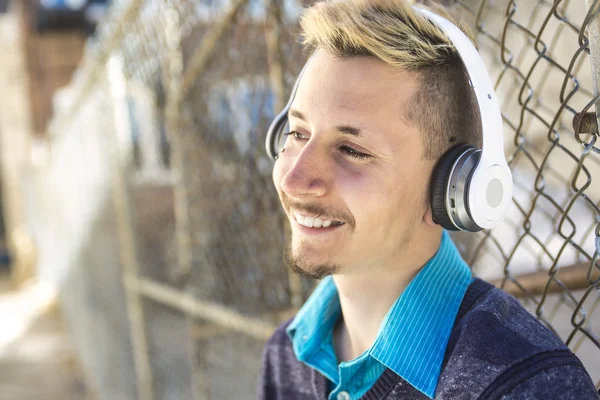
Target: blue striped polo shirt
<point>412,337</point>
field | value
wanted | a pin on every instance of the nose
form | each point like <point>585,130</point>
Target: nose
<point>308,174</point>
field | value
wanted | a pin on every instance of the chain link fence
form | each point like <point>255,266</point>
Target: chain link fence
<point>153,207</point>
<point>546,251</point>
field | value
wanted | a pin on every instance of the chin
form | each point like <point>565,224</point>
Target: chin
<point>302,264</point>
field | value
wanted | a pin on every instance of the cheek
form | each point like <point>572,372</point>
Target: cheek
<point>384,200</point>
<point>280,169</point>
<point>383,186</point>
<point>368,195</point>
<point>276,176</point>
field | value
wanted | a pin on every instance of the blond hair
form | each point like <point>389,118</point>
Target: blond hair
<point>445,108</point>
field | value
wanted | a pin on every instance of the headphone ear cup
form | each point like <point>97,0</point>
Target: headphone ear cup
<point>439,184</point>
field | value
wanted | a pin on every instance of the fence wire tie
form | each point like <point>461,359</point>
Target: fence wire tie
<point>585,122</point>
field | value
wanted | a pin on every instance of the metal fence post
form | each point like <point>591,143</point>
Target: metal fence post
<point>174,76</point>
<point>277,78</point>
<point>592,7</point>
<point>126,230</point>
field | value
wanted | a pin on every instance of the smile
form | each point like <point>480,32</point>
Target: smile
<point>312,222</point>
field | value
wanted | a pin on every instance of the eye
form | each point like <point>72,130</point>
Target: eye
<point>353,153</point>
<point>296,135</point>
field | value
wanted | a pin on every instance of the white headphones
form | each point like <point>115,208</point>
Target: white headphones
<point>471,188</point>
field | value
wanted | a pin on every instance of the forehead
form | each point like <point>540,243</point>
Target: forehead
<point>360,88</point>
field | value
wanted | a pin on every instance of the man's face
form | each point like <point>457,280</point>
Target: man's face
<point>354,162</point>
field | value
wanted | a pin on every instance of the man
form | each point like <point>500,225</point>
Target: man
<point>397,314</point>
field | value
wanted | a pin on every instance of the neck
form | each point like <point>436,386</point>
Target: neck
<point>367,296</point>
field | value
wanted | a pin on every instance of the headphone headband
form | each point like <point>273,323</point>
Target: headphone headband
<point>278,124</point>
<point>492,166</point>
<point>489,109</point>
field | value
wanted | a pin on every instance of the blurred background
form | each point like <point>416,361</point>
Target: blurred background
<point>141,237</point>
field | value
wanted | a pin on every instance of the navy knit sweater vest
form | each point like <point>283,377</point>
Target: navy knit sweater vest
<point>496,350</point>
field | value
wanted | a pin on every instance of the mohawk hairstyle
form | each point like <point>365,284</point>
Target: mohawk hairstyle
<point>445,108</point>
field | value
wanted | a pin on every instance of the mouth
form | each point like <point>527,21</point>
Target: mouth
<point>314,222</point>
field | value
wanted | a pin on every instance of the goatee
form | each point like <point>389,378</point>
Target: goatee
<point>297,265</point>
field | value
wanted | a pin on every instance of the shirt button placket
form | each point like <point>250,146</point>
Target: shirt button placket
<point>343,395</point>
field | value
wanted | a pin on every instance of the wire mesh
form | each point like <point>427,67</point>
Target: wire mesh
<point>546,251</point>
<point>198,221</point>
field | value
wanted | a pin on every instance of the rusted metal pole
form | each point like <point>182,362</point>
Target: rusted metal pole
<point>573,277</point>
<point>209,311</point>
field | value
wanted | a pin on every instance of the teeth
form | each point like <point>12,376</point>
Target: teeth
<point>312,222</point>
<point>299,218</point>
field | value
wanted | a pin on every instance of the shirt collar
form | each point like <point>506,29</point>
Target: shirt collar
<point>413,336</point>
<point>316,319</point>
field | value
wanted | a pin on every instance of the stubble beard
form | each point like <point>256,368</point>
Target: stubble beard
<point>297,264</point>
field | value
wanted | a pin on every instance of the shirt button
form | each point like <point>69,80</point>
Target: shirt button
<point>343,395</point>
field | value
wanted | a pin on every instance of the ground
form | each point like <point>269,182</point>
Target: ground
<point>37,359</point>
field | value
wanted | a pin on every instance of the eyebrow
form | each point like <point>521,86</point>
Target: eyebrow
<point>347,129</point>
<point>297,114</point>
